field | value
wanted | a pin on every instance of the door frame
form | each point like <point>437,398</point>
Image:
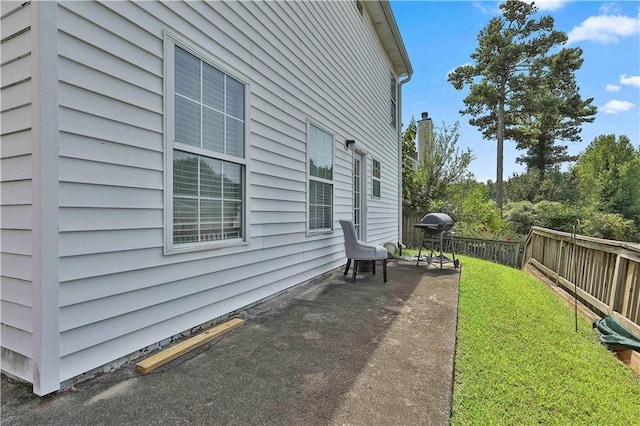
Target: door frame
<point>359,194</point>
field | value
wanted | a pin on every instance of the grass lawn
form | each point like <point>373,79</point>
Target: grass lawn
<point>519,360</point>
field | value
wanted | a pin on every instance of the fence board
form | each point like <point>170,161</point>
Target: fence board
<point>606,273</point>
<point>509,253</point>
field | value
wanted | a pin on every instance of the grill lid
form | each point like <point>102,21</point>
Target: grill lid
<point>437,219</point>
<point>435,223</point>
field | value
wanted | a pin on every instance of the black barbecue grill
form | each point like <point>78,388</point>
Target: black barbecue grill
<point>435,225</point>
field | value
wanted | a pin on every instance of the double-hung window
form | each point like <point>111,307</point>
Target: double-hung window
<point>206,128</point>
<point>375,179</point>
<point>320,155</point>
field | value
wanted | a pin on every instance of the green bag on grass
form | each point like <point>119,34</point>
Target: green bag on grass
<point>611,333</point>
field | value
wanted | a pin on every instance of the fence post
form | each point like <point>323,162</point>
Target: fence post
<point>559,263</point>
<point>614,284</point>
<point>631,277</point>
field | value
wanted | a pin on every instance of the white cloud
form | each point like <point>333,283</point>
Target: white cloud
<point>616,106</point>
<point>613,88</point>
<point>605,28</point>
<point>487,8</point>
<point>550,4</point>
<point>461,65</point>
<point>632,80</point>
<point>493,7</point>
<point>610,9</point>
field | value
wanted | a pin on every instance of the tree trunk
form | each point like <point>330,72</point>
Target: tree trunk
<point>500,157</point>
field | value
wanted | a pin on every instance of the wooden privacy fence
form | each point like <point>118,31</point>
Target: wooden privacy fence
<point>508,253</point>
<point>605,273</point>
<point>411,237</point>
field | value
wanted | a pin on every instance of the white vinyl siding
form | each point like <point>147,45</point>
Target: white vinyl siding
<point>111,167</point>
<point>16,166</point>
<point>206,131</point>
<point>118,290</point>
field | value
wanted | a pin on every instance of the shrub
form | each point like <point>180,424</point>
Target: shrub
<point>520,215</point>
<point>554,215</point>
<point>477,216</point>
<point>611,226</point>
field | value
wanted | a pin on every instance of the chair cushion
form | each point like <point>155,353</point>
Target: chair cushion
<point>381,252</point>
<point>368,252</point>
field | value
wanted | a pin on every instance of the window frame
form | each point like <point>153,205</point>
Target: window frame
<point>169,145</point>
<point>375,178</point>
<point>394,101</point>
<point>310,178</point>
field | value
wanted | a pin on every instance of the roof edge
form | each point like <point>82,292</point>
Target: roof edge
<point>387,28</point>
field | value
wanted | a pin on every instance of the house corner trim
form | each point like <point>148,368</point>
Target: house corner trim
<point>46,329</point>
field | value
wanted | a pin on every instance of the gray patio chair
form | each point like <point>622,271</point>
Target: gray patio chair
<point>357,250</point>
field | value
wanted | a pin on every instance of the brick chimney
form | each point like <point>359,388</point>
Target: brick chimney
<point>424,136</point>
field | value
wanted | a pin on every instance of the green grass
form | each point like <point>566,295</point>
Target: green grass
<point>520,361</point>
<point>410,252</point>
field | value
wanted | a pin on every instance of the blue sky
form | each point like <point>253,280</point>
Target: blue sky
<point>441,35</point>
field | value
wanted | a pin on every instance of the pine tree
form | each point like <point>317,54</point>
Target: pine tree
<point>513,79</point>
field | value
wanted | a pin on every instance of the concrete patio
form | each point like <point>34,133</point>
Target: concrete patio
<point>329,352</point>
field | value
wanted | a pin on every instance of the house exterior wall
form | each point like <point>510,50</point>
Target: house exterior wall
<point>304,62</point>
<point>29,190</point>
<point>16,266</point>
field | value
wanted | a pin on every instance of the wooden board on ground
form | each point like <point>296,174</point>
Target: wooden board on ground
<point>169,354</point>
<point>630,358</point>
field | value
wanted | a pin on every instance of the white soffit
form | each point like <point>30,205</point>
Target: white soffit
<point>387,28</point>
